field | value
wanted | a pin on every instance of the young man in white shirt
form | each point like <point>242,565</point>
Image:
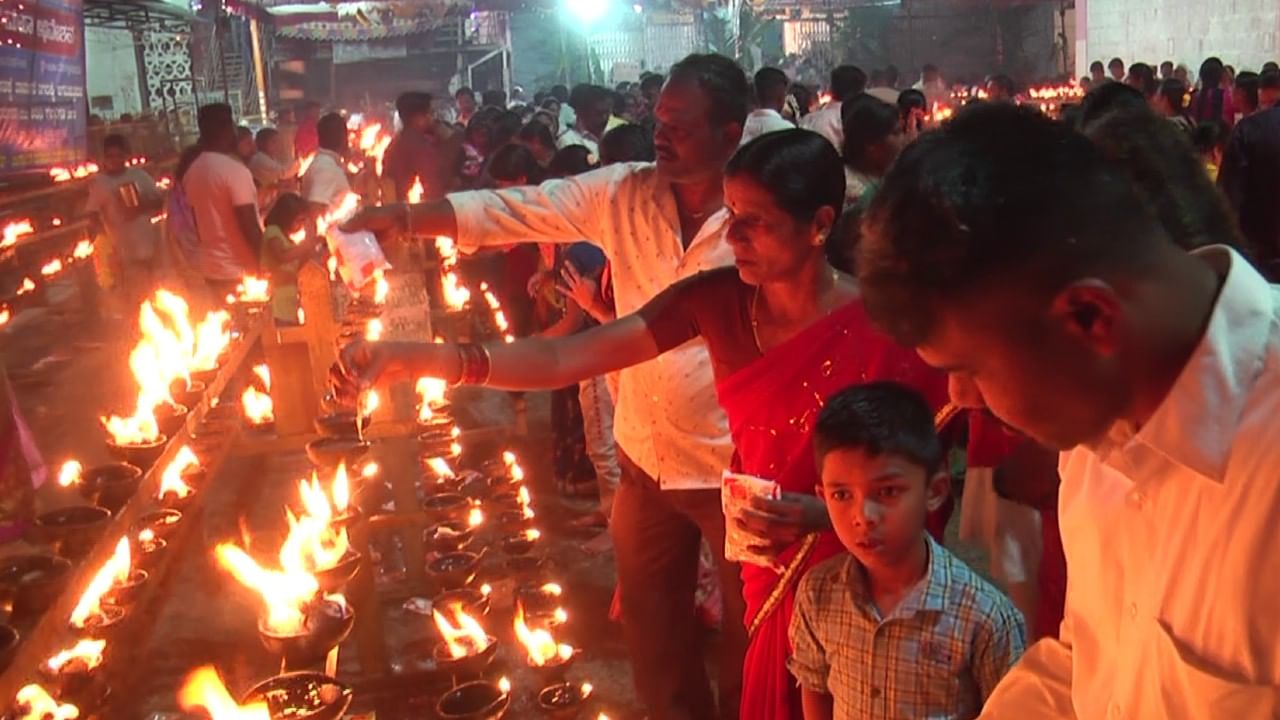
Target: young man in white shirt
<point>847,81</point>
<point>592,105</point>
<point>1008,251</point>
<point>224,201</point>
<point>771,95</point>
<point>657,223</point>
<point>325,182</point>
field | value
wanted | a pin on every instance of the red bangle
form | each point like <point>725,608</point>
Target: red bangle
<point>475,363</point>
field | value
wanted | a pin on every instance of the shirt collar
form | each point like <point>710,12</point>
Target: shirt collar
<point>326,151</point>
<point>1195,424</point>
<point>766,112</point>
<point>928,595</point>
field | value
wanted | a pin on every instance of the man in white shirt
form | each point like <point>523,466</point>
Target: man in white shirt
<point>771,95</point>
<point>1010,254</point>
<point>268,172</point>
<point>883,85</point>
<point>846,82</point>
<point>591,106</point>
<point>933,86</point>
<point>225,204</point>
<point>325,182</point>
<point>657,223</point>
<point>124,199</point>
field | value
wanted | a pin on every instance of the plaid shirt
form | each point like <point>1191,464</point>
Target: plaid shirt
<point>938,655</point>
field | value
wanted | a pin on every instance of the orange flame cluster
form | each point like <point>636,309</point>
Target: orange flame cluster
<point>456,296</point>
<point>373,142</point>
<point>499,317</point>
<point>36,704</point>
<point>313,543</point>
<point>540,645</point>
<point>171,481</point>
<point>114,572</point>
<point>77,172</point>
<point>431,392</point>
<point>252,289</point>
<point>87,652</point>
<point>416,191</point>
<point>284,592</point>
<point>463,635</point>
<point>338,214</point>
<point>204,689</point>
<point>381,289</point>
<point>13,230</point>
<point>258,406</point>
<point>70,473</point>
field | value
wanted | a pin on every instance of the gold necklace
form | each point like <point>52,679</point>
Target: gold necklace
<point>753,310</point>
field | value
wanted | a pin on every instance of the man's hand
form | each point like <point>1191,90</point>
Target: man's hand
<point>380,220</point>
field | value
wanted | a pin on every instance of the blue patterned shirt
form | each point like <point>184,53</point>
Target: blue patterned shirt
<point>937,656</point>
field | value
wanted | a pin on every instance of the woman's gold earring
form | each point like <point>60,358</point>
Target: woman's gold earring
<point>820,240</point>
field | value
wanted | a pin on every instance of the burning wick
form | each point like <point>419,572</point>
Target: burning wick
<point>552,589</point>
<point>475,518</point>
<point>541,646</point>
<point>203,688</point>
<point>86,655</point>
<point>380,288</point>
<point>504,685</point>
<point>365,406</point>
<point>114,572</point>
<point>369,470</point>
<point>485,589</point>
<point>373,330</point>
<point>171,480</point>
<point>70,473</point>
<point>464,636</point>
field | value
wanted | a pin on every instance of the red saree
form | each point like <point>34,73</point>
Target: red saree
<point>772,405</point>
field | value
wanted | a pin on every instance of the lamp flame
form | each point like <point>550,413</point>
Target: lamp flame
<point>70,473</point>
<point>203,688</point>
<point>87,652</point>
<point>36,704</point>
<point>541,647</point>
<point>115,571</point>
<point>464,636</point>
<point>171,481</point>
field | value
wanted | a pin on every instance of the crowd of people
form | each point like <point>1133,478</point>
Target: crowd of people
<point>726,275</point>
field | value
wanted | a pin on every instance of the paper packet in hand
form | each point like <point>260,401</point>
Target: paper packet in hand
<point>358,254</point>
<point>736,491</point>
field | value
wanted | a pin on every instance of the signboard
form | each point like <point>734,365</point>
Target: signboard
<point>42,84</point>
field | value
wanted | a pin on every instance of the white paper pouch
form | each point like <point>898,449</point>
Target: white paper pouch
<point>358,254</point>
<point>736,491</point>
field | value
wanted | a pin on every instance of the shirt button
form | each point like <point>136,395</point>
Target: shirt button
<point>1133,611</point>
<point>1139,498</point>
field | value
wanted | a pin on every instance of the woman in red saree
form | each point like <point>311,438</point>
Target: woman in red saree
<point>784,330</point>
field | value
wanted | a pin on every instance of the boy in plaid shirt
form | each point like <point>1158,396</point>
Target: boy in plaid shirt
<point>900,628</point>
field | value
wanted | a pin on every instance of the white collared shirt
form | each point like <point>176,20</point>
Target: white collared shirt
<point>325,182</point>
<point>826,122</point>
<point>574,136</point>
<point>668,419</point>
<point>1172,538</point>
<point>762,121</point>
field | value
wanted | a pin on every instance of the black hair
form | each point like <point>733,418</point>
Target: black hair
<point>215,120</point>
<point>653,81</point>
<point>1114,62</point>
<point>1209,136</point>
<point>1142,77</point>
<point>867,121</point>
<point>1269,80</point>
<point>570,161</point>
<point>583,96</point>
<point>626,143</point>
<point>186,159</point>
<point>505,127</point>
<point>1106,97</point>
<point>480,128</point>
<point>1097,66</point>
<point>464,90</point>
<point>538,134</point>
<point>876,78</point>
<point>1000,195</point>
<point>770,85</point>
<point>243,132</point>
<point>798,168</point>
<point>908,101</point>
<point>1174,91</point>
<point>1166,64</point>
<point>1004,82</point>
<point>1157,156</point>
<point>494,98</point>
<point>540,97</point>
<point>723,82</point>
<point>550,102</point>
<point>264,138</point>
<point>1270,66</point>
<point>1246,88</point>
<point>331,130</point>
<point>285,212</point>
<point>620,102</point>
<point>1208,102</point>
<point>846,233</point>
<point>560,92</point>
<point>116,141</point>
<point>880,418</point>
<point>847,81</point>
<point>513,162</point>
<point>803,95</point>
<point>413,104</point>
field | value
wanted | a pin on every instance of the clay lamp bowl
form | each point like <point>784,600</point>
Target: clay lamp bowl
<point>191,395</point>
<point>554,670</point>
<point>371,497</point>
<point>513,521</point>
<point>448,537</point>
<point>171,417</point>
<point>76,682</point>
<point>438,426</point>
<point>174,501</point>
<point>526,568</point>
<point>301,696</point>
<point>327,624</point>
<point>564,701</point>
<point>72,531</point>
<point>447,507</point>
<point>476,486</point>
<point>102,624</point>
<point>148,550</point>
<point>520,543</point>
<point>435,484</point>
<point>111,485</point>
<point>123,595</point>
<point>341,424</point>
<point>335,578</point>
<point>9,640</point>
<point>329,452</point>
<point>454,570</point>
<point>160,522</point>
<point>479,700</point>
<point>469,665</point>
<point>437,444</point>
<point>204,377</point>
<point>472,602</point>
<point>33,581</point>
<point>142,455</point>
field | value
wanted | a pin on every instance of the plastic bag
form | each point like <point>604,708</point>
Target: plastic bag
<point>358,254</point>
<point>736,491</point>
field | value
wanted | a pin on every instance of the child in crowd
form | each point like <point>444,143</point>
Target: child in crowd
<point>282,257</point>
<point>900,628</point>
<point>124,199</point>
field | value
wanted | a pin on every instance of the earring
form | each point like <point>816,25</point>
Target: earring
<point>820,240</point>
